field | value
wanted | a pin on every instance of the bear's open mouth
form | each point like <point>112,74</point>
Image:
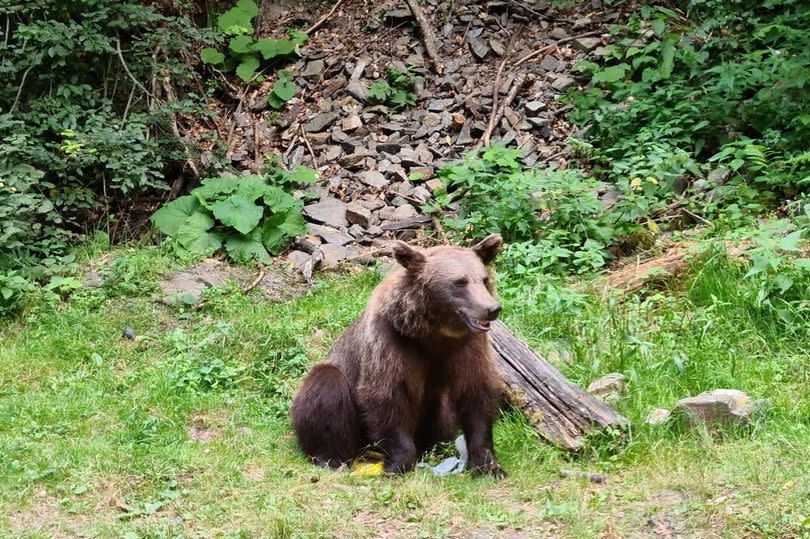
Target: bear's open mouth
<point>477,324</point>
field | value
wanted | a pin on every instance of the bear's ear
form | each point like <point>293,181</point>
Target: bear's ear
<point>410,258</point>
<point>487,248</point>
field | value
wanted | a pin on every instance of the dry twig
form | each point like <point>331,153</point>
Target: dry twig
<point>428,35</point>
<point>325,17</point>
<point>547,48</point>
<point>497,115</point>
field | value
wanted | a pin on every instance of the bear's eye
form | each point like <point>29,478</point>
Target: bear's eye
<point>461,283</point>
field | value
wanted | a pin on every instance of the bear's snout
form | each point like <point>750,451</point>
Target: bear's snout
<point>493,312</point>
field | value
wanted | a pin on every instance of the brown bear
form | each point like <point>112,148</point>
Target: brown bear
<point>416,365</point>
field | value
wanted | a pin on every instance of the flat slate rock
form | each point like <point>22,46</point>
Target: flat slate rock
<point>330,211</point>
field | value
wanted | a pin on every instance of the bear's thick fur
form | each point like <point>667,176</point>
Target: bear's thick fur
<point>415,366</point>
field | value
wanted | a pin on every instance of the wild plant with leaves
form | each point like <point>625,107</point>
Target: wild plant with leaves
<point>250,216</point>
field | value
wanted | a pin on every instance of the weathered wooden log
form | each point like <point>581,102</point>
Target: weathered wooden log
<point>562,412</point>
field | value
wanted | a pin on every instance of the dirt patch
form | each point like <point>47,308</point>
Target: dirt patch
<point>205,426</point>
<point>253,473</point>
<point>45,516</point>
<point>380,528</point>
<point>276,281</point>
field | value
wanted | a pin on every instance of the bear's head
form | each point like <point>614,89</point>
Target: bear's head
<point>455,286</point>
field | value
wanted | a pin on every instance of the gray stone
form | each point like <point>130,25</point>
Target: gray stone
<point>398,201</point>
<point>439,105</point>
<point>719,175</point>
<point>320,122</point>
<point>405,211</point>
<point>421,194</point>
<point>333,255</point>
<point>434,184</point>
<point>558,33</point>
<point>657,416</point>
<point>315,67</point>
<point>302,262</point>
<point>329,234</point>
<point>374,230</point>
<point>478,48</point>
<point>358,215</point>
<point>358,90</point>
<point>372,204</point>
<point>550,63</point>
<point>586,44</point>
<point>330,211</point>
<point>497,46</point>
<point>562,83</point>
<point>535,106</point>
<point>720,406</point>
<point>357,231</point>
<point>350,123</point>
<point>372,178</point>
<point>387,213</point>
<point>608,387</point>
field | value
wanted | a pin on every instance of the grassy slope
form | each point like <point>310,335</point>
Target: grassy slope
<point>94,429</point>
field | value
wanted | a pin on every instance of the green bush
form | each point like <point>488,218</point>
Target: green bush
<point>552,219</point>
<point>84,127</point>
<point>728,86</point>
<point>249,215</point>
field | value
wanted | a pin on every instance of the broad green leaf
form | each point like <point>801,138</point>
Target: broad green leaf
<point>246,247</point>
<point>658,26</point>
<point>278,200</point>
<point>248,6</point>
<point>247,68</point>
<point>193,235</point>
<point>297,36</point>
<point>284,89</point>
<point>270,48</point>
<point>239,212</point>
<point>240,44</point>
<point>667,58</point>
<point>251,187</point>
<point>213,189</point>
<point>171,216</point>
<point>611,74</point>
<point>211,56</point>
<point>303,174</point>
<point>235,22</point>
<point>274,101</point>
<point>790,242</point>
<point>281,226</point>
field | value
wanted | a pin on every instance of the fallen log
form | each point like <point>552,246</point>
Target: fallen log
<point>562,412</point>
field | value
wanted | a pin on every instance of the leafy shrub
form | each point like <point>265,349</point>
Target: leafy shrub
<point>396,91</point>
<point>730,86</point>
<point>245,55</point>
<point>82,128</point>
<point>552,217</point>
<point>250,215</point>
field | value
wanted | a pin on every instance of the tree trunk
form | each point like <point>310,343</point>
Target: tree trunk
<point>561,412</point>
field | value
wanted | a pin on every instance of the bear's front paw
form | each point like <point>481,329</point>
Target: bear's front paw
<point>493,469</point>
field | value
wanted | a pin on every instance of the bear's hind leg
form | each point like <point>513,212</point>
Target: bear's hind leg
<point>325,418</point>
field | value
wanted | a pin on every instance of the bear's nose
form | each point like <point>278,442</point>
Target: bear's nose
<point>492,312</point>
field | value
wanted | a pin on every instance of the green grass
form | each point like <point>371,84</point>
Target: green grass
<point>166,437</point>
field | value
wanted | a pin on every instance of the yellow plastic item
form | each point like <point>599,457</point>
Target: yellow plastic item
<point>367,469</point>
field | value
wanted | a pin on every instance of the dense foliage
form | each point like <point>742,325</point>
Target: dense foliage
<point>250,216</point>
<point>85,117</point>
<point>727,86</point>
